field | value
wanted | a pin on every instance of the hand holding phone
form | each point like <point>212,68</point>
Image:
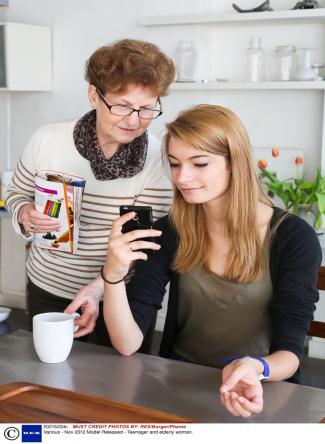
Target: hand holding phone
<point>124,250</point>
<point>142,219</point>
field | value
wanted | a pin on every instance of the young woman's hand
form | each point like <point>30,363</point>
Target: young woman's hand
<point>241,392</point>
<point>123,249</point>
<point>35,222</point>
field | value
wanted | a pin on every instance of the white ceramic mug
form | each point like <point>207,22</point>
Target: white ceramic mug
<point>53,336</point>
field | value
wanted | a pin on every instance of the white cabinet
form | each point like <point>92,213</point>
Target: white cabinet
<point>25,65</point>
<point>12,266</point>
<point>25,57</point>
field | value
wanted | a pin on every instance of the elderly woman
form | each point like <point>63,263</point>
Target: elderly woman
<point>111,148</point>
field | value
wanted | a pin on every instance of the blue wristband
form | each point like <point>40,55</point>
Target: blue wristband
<point>232,358</point>
<point>266,368</point>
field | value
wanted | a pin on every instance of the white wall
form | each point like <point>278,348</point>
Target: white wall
<point>288,119</point>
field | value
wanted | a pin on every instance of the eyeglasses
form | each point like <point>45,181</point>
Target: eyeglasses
<point>125,110</point>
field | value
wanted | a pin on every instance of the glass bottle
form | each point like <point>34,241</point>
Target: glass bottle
<point>255,60</point>
<point>316,67</point>
<point>305,71</point>
<point>284,64</point>
<point>185,58</point>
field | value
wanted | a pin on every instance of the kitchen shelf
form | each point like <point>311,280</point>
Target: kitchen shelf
<point>216,86</point>
<point>234,19</point>
<point>249,18</point>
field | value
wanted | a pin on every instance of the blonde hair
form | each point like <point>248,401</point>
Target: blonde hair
<point>218,130</point>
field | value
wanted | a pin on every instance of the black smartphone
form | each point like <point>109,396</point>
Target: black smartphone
<point>142,219</point>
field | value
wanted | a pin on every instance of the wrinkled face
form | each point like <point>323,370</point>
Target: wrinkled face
<point>119,129</point>
<point>201,177</point>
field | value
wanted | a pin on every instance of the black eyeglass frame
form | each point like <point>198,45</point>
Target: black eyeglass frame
<point>109,107</point>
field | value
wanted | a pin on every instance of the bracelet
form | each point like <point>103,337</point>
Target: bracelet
<point>106,280</point>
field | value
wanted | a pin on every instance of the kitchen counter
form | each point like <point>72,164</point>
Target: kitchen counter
<point>184,389</point>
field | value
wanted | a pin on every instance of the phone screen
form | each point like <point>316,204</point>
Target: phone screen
<point>141,221</point>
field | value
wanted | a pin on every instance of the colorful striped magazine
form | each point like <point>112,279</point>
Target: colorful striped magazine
<point>59,195</point>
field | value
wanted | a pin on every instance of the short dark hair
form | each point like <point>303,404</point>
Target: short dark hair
<point>130,62</point>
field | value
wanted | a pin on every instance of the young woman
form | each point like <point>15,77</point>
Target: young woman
<point>242,272</point>
<point>111,148</point>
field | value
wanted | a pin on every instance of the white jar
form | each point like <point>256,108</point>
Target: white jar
<point>255,60</point>
<point>284,62</point>
<point>185,58</point>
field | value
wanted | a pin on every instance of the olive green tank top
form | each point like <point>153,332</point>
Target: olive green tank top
<point>219,318</point>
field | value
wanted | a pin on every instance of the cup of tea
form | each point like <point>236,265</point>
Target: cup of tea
<point>53,336</point>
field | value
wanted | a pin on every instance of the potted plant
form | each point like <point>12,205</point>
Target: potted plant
<point>301,197</point>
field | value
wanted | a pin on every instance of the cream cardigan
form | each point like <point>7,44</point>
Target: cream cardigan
<point>52,147</point>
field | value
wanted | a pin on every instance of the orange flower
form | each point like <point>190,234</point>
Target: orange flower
<point>298,160</point>
<point>275,151</point>
<point>262,164</point>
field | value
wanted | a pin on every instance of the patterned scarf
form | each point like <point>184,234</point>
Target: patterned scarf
<point>126,162</point>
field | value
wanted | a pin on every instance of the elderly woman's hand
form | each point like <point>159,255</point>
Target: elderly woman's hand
<point>87,300</point>
<point>123,249</point>
<point>241,392</point>
<point>35,222</point>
